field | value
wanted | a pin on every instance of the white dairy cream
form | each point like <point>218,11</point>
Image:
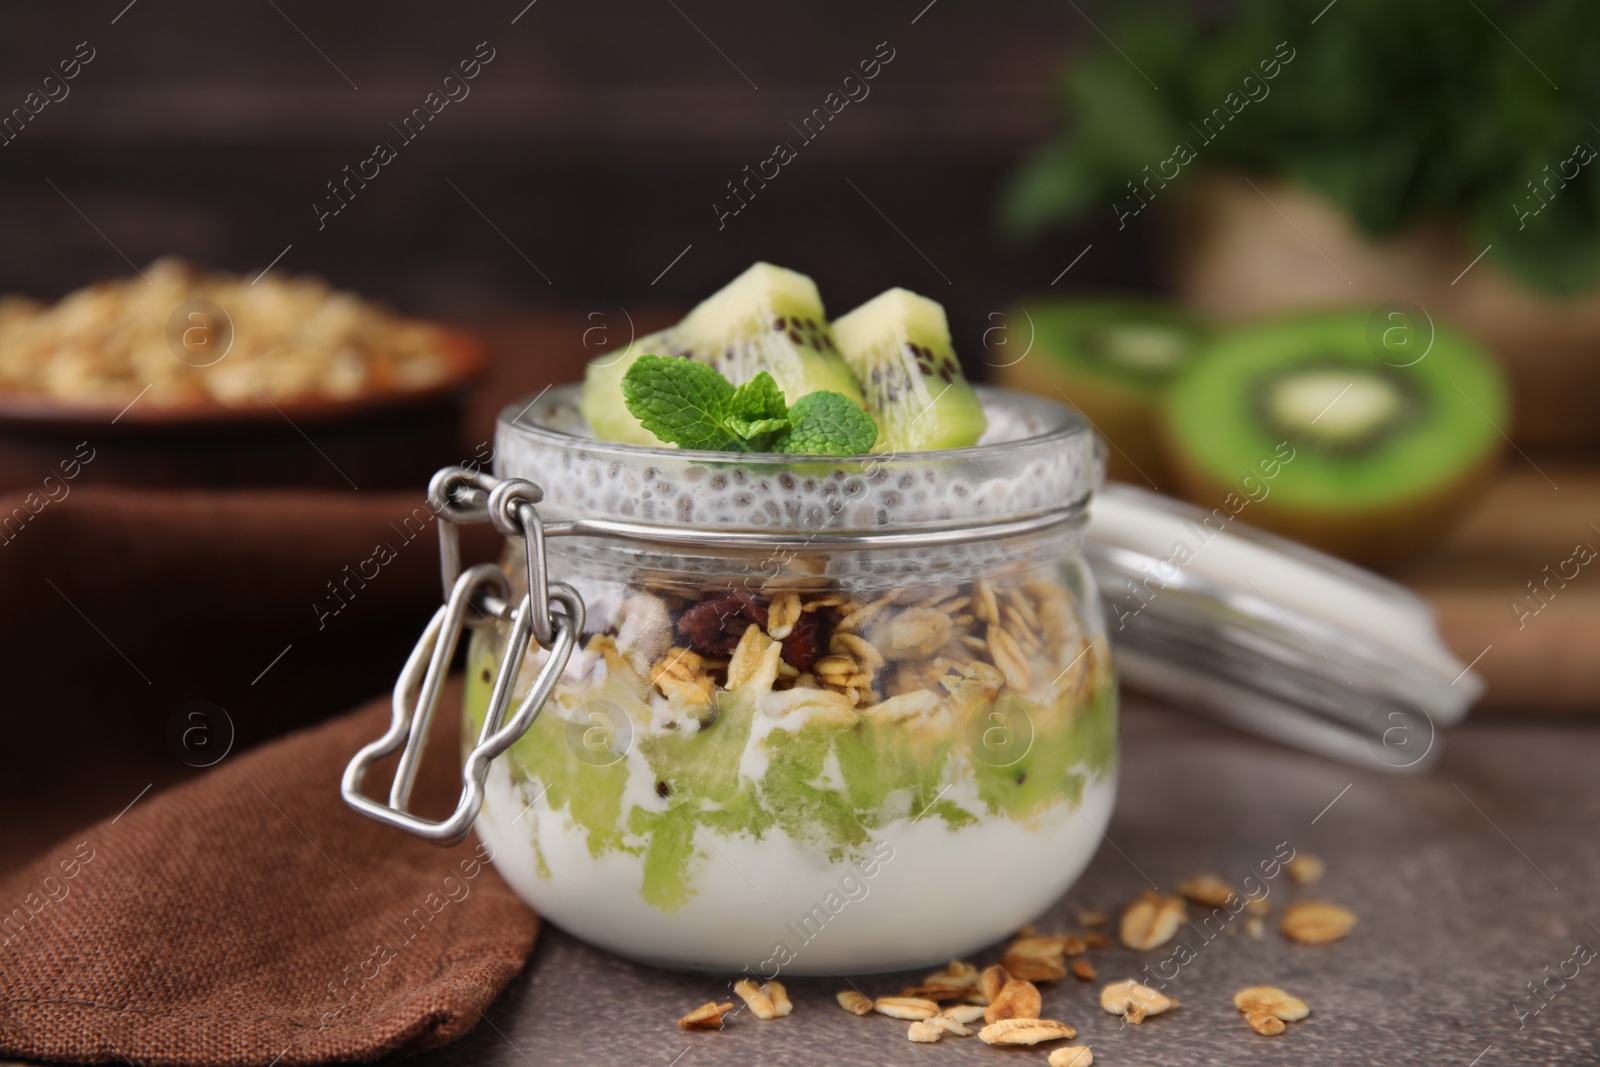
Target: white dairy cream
<point>918,894</point>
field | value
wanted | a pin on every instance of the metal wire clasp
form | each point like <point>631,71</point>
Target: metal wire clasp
<point>478,596</point>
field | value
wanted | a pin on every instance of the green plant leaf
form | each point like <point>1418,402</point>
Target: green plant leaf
<point>690,404</point>
<point>759,399</point>
<point>1054,185</point>
<point>1400,113</point>
<point>828,424</point>
<point>681,401</point>
<point>1555,248</point>
<point>752,430</point>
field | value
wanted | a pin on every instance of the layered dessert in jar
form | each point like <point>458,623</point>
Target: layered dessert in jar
<point>843,700</point>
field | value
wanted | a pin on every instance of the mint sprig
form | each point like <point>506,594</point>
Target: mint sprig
<point>828,424</point>
<point>690,404</point>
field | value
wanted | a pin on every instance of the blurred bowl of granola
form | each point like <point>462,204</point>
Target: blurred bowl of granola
<point>190,377</point>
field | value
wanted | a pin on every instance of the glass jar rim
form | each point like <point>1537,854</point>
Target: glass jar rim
<point>1038,456</point>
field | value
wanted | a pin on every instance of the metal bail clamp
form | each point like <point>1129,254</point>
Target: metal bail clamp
<point>478,596</point>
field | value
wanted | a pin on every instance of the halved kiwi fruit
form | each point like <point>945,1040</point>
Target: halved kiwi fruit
<point>1304,427</point>
<point>898,344</point>
<point>1111,359</point>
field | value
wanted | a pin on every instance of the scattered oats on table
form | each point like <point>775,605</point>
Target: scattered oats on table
<point>707,1016</point>
<point>1037,959</point>
<point>779,995</point>
<point>1207,890</point>
<point>768,1001</point>
<point>955,973</point>
<point>1026,1032</point>
<point>914,1009</point>
<point>1133,1001</point>
<point>1316,922</point>
<point>990,980</point>
<point>1017,999</point>
<point>936,992</point>
<point>954,1019</point>
<point>1071,1056</point>
<point>853,1001</point>
<point>1152,920</point>
<point>1305,869</point>
<point>1266,1008</point>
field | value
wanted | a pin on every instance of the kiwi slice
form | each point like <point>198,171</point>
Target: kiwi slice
<point>898,344</point>
<point>767,319</point>
<point>1111,359</point>
<point>1302,426</point>
<point>600,400</point>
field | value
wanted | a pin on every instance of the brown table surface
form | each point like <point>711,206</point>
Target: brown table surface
<point>1469,883</point>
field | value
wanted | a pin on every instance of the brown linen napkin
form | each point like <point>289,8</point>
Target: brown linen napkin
<point>249,917</point>
<point>201,922</point>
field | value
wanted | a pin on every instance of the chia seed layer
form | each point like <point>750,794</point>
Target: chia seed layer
<point>1035,456</point>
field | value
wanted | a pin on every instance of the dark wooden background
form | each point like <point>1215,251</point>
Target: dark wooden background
<point>595,142</point>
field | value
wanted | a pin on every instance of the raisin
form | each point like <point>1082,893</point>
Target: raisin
<point>713,627</point>
<point>804,645</point>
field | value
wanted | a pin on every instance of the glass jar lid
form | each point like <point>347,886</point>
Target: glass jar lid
<point>1271,636</point>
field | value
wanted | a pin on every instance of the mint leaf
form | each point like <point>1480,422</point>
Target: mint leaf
<point>759,399</point>
<point>828,424</point>
<point>690,404</point>
<point>750,431</point>
<point>758,411</point>
<point>682,402</point>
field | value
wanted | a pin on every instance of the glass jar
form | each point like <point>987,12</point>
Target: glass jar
<point>823,716</point>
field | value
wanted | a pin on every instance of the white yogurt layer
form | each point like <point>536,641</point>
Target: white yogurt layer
<point>776,905</point>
